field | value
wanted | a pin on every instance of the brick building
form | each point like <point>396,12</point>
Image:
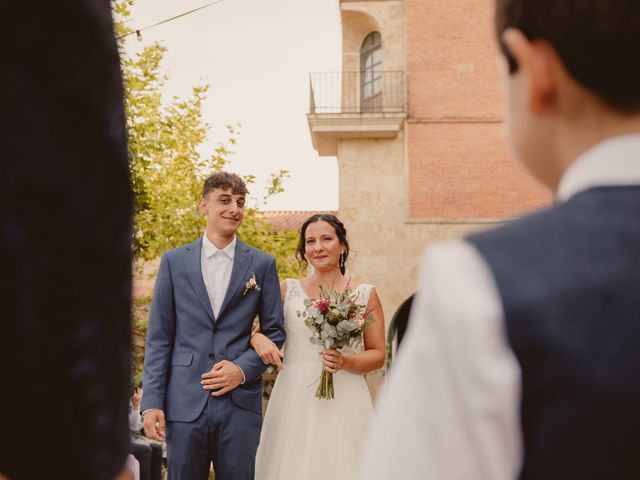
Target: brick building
<point>415,121</point>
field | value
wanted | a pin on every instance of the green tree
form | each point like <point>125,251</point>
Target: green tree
<point>167,169</point>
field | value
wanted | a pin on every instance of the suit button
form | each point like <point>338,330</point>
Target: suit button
<point>212,356</point>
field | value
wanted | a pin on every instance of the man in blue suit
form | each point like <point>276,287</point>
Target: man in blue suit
<point>200,374</point>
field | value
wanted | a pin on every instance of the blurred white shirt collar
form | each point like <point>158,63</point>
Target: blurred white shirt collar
<point>613,162</point>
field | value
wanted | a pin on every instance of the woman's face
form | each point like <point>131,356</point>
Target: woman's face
<point>322,248</point>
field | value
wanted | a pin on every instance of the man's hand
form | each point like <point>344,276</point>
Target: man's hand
<point>154,424</point>
<point>223,377</point>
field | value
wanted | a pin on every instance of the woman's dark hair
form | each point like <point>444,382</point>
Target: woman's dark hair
<point>341,233</point>
<point>594,39</point>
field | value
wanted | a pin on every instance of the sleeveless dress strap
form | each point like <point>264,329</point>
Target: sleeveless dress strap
<point>288,284</point>
<point>294,288</point>
<point>365,292</point>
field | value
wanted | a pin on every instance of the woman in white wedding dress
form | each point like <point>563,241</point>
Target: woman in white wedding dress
<point>303,437</point>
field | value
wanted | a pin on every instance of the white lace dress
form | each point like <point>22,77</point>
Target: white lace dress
<point>303,437</point>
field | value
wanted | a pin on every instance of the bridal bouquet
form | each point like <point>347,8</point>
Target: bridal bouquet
<point>334,319</point>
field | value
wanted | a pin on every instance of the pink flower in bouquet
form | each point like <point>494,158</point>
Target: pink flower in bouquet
<point>323,305</point>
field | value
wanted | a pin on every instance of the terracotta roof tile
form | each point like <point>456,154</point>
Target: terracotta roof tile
<point>289,220</point>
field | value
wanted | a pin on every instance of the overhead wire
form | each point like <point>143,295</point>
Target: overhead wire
<point>139,30</point>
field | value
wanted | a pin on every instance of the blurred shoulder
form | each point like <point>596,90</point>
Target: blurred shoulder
<point>456,281</point>
<point>451,258</point>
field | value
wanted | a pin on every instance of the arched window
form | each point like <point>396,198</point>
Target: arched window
<point>371,73</point>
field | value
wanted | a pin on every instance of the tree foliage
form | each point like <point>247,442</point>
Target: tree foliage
<point>165,139</point>
<point>167,168</point>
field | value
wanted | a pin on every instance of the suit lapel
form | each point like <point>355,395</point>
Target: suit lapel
<point>192,261</point>
<point>241,263</point>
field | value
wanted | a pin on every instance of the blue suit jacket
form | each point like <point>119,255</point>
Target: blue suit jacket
<point>185,339</point>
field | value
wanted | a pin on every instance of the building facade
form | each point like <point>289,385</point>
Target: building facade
<point>415,121</point>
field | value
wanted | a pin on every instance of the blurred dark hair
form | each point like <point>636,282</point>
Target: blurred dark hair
<point>594,38</point>
<point>337,225</point>
<point>224,180</point>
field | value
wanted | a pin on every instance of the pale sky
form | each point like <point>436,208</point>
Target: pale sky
<point>256,55</point>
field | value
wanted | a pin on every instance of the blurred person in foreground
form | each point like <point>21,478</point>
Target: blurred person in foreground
<point>65,243</point>
<point>522,356</point>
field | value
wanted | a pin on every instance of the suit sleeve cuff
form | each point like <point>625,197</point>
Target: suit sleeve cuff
<point>244,378</point>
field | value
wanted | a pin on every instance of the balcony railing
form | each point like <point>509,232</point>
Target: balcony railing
<point>356,92</point>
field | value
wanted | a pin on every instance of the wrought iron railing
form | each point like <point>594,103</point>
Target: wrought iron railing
<point>356,92</point>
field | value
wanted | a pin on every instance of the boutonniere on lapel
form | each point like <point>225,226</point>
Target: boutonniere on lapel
<point>252,284</point>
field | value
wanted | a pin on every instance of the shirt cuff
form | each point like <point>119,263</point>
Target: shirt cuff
<point>243,377</point>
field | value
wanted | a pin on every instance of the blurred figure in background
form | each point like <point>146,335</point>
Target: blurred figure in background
<point>147,452</point>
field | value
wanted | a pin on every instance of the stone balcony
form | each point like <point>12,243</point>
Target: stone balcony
<point>346,105</point>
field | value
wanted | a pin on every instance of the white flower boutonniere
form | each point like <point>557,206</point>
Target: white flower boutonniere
<point>252,284</point>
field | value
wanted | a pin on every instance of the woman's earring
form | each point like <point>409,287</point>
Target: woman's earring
<point>342,261</point>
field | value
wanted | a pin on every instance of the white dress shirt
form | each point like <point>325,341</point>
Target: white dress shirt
<point>216,267</point>
<point>451,406</point>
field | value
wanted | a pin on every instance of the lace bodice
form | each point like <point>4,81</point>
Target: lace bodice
<point>298,346</point>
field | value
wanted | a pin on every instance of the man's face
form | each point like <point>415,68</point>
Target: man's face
<point>223,210</point>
